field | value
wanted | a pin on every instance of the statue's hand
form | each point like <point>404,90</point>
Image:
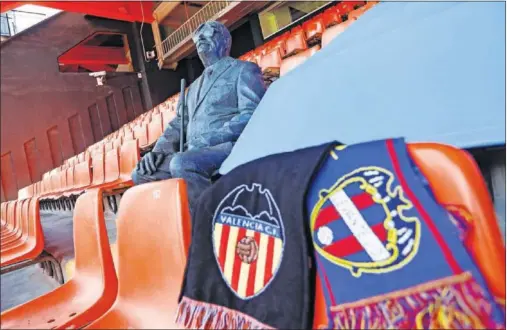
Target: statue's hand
<point>150,162</point>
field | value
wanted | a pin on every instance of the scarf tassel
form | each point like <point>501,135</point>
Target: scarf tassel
<point>194,314</point>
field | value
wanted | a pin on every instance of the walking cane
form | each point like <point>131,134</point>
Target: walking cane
<point>183,109</point>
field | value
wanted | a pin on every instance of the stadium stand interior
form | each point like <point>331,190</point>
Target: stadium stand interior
<point>104,169</point>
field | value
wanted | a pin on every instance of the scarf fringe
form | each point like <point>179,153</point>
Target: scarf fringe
<point>194,314</point>
<point>458,305</point>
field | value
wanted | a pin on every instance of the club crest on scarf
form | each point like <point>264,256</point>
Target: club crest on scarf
<point>359,223</point>
<point>248,243</point>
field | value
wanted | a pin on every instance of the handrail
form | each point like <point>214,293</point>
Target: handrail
<point>210,11</point>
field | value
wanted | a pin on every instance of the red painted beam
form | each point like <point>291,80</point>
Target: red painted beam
<point>93,55</point>
<point>10,5</point>
<point>141,11</point>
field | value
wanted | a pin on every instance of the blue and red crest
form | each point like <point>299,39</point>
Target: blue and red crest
<point>359,223</point>
<point>248,243</point>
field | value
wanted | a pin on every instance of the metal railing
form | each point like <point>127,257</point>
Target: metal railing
<point>210,11</point>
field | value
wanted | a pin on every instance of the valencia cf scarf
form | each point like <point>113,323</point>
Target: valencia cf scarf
<point>249,264</point>
<point>388,255</point>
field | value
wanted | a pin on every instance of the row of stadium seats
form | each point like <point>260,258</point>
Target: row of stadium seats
<point>21,232</point>
<point>76,175</point>
<point>139,294</point>
<point>107,165</point>
<point>285,52</point>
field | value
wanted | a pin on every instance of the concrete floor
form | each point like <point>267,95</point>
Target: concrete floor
<point>22,285</point>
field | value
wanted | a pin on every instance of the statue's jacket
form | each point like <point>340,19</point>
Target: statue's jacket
<point>218,106</point>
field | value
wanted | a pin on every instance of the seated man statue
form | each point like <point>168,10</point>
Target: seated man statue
<point>219,104</point>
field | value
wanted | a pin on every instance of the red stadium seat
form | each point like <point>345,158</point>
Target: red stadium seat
<point>270,63</point>
<point>148,296</point>
<point>167,117</point>
<point>155,129</point>
<point>314,29</point>
<point>292,62</point>
<point>331,16</point>
<point>296,42</point>
<point>141,134</point>
<point>456,180</point>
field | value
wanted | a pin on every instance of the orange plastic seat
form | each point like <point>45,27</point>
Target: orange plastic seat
<point>271,62</point>
<point>294,61</point>
<point>296,42</point>
<point>141,134</point>
<point>167,117</point>
<point>456,180</point>
<point>13,223</point>
<point>92,290</point>
<point>117,142</point>
<point>147,295</point>
<point>32,247</point>
<point>314,29</point>
<point>334,31</point>
<point>14,237</point>
<point>276,43</point>
<point>155,128</point>
<point>117,166</point>
<point>249,57</point>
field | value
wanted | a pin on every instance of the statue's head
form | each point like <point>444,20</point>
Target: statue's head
<point>213,42</point>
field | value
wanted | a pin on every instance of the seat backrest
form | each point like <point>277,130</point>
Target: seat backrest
<point>155,128</point>
<point>112,165</point>
<point>157,212</point>
<point>167,116</point>
<point>129,157</point>
<point>296,42</point>
<point>331,17</point>
<point>314,27</point>
<point>117,142</point>
<point>273,59</point>
<point>70,177</point>
<point>11,213</point>
<point>294,61</point>
<point>98,164</point>
<point>141,134</point>
<point>93,258</point>
<point>82,174</point>
<point>456,180</point>
<point>334,31</point>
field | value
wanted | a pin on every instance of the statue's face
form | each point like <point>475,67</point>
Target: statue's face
<point>205,39</point>
<point>212,44</point>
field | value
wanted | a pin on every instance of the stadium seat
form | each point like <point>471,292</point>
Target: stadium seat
<point>155,128</point>
<point>270,63</point>
<point>118,141</point>
<point>249,57</point>
<point>276,43</point>
<point>331,16</point>
<point>92,290</point>
<point>296,42</point>
<point>141,134</point>
<point>314,29</point>
<point>34,244</point>
<point>334,31</point>
<point>456,180</point>
<point>292,62</point>
<point>167,116</point>
<point>19,236</point>
<point>148,296</point>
